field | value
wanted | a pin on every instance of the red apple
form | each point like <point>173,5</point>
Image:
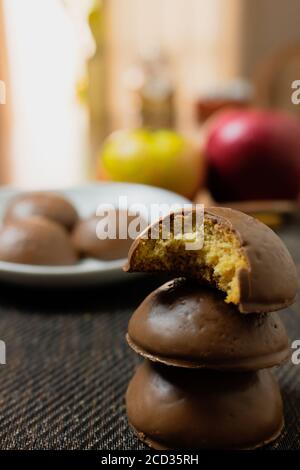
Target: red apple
<point>253,154</point>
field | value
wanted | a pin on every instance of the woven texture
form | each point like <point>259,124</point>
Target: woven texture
<point>68,366</point>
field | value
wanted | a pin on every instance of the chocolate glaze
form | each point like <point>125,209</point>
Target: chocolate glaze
<point>45,204</point>
<point>187,325</point>
<point>36,240</point>
<point>88,244</point>
<point>269,283</point>
<point>172,408</point>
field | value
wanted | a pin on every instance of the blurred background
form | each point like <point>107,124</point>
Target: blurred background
<point>156,71</point>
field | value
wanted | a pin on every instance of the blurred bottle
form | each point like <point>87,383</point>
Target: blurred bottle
<point>151,82</point>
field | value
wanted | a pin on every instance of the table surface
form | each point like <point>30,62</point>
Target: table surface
<point>68,365</point>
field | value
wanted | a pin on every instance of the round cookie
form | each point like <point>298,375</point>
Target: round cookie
<point>185,324</point>
<point>172,408</point>
<point>45,204</point>
<point>240,256</point>
<point>88,244</point>
<point>36,240</point>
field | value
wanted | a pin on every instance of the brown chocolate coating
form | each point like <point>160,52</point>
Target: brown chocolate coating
<point>36,241</point>
<point>187,325</point>
<point>173,408</point>
<point>270,282</point>
<point>49,205</point>
<point>88,244</point>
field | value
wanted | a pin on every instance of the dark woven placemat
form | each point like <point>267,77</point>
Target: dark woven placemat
<point>68,366</point>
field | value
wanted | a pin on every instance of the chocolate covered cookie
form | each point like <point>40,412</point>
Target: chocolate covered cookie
<point>240,256</point>
<point>52,206</point>
<point>89,241</point>
<point>172,408</point>
<point>185,324</point>
<point>36,240</point>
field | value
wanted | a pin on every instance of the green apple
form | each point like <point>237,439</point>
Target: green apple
<point>161,158</point>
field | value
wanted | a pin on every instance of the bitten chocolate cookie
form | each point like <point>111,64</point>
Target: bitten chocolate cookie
<point>88,244</point>
<point>241,256</point>
<point>52,206</point>
<point>185,324</point>
<point>172,408</point>
<point>36,241</point>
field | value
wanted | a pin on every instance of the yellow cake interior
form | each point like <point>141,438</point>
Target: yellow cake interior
<point>217,263</point>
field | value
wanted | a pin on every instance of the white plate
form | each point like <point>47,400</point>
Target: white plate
<point>88,271</point>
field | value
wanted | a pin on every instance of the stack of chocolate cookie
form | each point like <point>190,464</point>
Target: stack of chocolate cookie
<point>208,345</point>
